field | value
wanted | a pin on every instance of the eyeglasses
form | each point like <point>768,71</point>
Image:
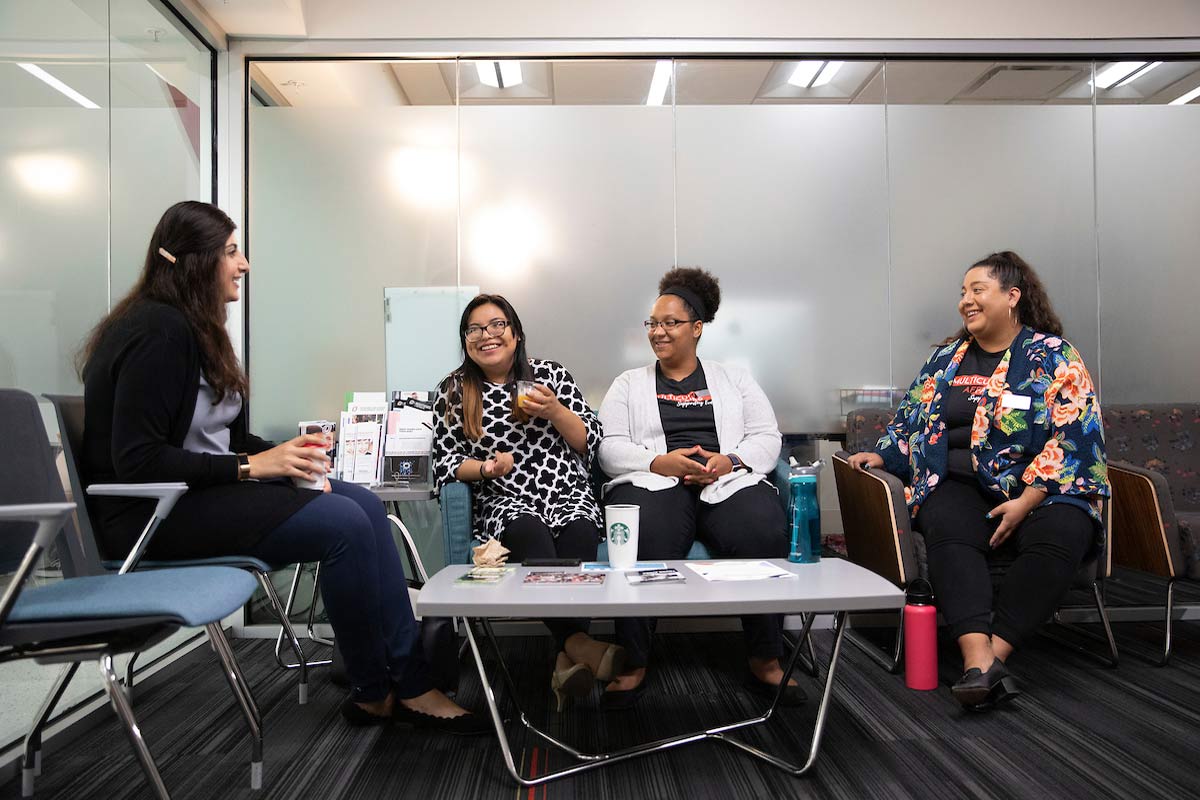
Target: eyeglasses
<point>496,327</point>
<point>667,325</point>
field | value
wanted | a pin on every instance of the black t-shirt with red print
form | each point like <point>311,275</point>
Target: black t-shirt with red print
<point>686,410</point>
<point>966,389</point>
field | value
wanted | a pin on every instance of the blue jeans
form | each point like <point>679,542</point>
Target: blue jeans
<point>362,582</point>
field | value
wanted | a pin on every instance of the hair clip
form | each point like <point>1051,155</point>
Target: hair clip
<point>162,251</point>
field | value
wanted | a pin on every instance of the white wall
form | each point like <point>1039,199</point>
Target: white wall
<point>804,19</point>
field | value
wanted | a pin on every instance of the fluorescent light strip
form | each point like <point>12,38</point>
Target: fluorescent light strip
<point>1184,99</point>
<point>1115,73</point>
<point>659,84</point>
<point>50,80</point>
<point>805,73</point>
<point>826,74</point>
<point>510,73</point>
<point>1140,73</point>
<point>487,73</point>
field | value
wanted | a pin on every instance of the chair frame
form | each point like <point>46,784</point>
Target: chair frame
<point>1144,522</point>
<point>68,410</point>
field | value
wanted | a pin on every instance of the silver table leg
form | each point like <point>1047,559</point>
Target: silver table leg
<point>720,733</point>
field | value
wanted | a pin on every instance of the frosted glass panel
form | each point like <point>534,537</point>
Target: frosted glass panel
<point>787,206</point>
<point>341,205</point>
<point>968,180</point>
<point>1148,168</point>
<point>161,121</point>
<point>567,211</point>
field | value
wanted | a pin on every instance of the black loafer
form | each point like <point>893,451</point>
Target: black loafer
<point>622,701</point>
<point>359,717</point>
<point>463,725</point>
<point>980,691</point>
<point>793,696</point>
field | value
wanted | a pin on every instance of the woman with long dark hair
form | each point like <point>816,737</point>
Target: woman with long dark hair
<point>164,400</point>
<point>528,457</point>
<point>1000,444</point>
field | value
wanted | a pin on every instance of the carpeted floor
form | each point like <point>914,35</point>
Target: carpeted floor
<point>1080,730</point>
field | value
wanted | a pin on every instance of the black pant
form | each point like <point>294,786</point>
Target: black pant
<point>529,537</point>
<point>1050,544</point>
<point>748,524</point>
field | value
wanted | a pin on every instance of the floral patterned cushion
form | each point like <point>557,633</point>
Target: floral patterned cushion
<point>1163,437</point>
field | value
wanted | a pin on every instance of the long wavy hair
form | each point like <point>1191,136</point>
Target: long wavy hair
<point>195,234</point>
<point>464,386</point>
<point>1034,308</point>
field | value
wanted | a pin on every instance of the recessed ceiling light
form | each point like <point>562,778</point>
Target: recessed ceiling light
<point>805,72</point>
<point>827,72</point>
<point>46,77</point>
<point>1141,73</point>
<point>1115,73</point>
<point>1183,99</point>
<point>499,74</point>
<point>659,84</point>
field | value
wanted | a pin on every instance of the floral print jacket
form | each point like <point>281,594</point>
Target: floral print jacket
<point>1038,423</point>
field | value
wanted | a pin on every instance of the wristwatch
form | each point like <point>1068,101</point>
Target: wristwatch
<point>737,462</point>
<point>243,466</point>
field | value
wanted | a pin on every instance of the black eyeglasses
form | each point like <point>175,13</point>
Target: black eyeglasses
<point>667,325</point>
<point>496,327</point>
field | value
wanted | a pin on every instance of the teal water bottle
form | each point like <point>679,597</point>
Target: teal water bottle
<point>804,514</point>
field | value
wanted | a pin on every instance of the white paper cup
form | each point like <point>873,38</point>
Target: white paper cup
<point>621,533</point>
<point>317,483</point>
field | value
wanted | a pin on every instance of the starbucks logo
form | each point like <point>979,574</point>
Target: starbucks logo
<point>618,533</point>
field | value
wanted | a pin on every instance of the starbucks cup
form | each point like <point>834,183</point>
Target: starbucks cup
<point>621,533</point>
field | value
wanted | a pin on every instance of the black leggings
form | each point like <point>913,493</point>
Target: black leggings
<point>748,524</point>
<point>528,537</point>
<point>1050,545</point>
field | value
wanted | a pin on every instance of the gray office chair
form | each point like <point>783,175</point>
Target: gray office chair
<point>96,616</point>
<point>69,409</point>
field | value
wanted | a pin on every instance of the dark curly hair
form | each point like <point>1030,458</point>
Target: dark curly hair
<point>696,280</point>
<point>1034,308</point>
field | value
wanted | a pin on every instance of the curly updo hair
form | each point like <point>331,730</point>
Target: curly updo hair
<point>699,282</point>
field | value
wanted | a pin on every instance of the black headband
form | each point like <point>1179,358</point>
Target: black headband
<point>691,298</point>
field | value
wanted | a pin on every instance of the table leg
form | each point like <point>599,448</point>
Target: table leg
<point>719,733</point>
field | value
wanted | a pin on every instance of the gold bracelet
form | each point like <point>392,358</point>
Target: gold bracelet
<point>243,466</point>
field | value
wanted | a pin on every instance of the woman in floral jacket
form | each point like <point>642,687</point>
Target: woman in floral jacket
<point>999,442</point>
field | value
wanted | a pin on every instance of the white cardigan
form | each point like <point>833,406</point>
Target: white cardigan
<point>633,431</point>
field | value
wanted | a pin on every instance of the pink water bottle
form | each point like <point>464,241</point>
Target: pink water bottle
<point>920,637</point>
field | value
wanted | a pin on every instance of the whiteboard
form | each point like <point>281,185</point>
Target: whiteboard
<point>421,334</point>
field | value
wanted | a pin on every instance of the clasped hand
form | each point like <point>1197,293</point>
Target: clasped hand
<point>680,464</point>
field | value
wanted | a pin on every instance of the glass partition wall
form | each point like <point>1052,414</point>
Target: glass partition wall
<point>838,200</point>
<point>106,118</point>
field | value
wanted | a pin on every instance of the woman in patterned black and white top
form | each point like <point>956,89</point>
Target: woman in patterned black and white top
<point>529,462</point>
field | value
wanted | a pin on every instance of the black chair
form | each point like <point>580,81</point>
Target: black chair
<point>95,616</point>
<point>69,409</point>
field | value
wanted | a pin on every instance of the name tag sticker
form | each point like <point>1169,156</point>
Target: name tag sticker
<point>1018,401</point>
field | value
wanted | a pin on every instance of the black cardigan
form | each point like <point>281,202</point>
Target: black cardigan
<point>140,390</point>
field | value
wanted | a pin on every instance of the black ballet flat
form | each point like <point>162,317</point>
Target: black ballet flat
<point>359,717</point>
<point>981,691</point>
<point>463,725</point>
<point>793,696</point>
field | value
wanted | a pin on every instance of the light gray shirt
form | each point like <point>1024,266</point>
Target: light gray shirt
<point>209,432</point>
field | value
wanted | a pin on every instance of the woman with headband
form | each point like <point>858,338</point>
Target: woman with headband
<point>692,444</point>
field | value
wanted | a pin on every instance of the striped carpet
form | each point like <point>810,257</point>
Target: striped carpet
<point>1080,730</point>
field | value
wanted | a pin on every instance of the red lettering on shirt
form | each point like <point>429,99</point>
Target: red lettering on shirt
<point>700,397</point>
<point>973,385</point>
